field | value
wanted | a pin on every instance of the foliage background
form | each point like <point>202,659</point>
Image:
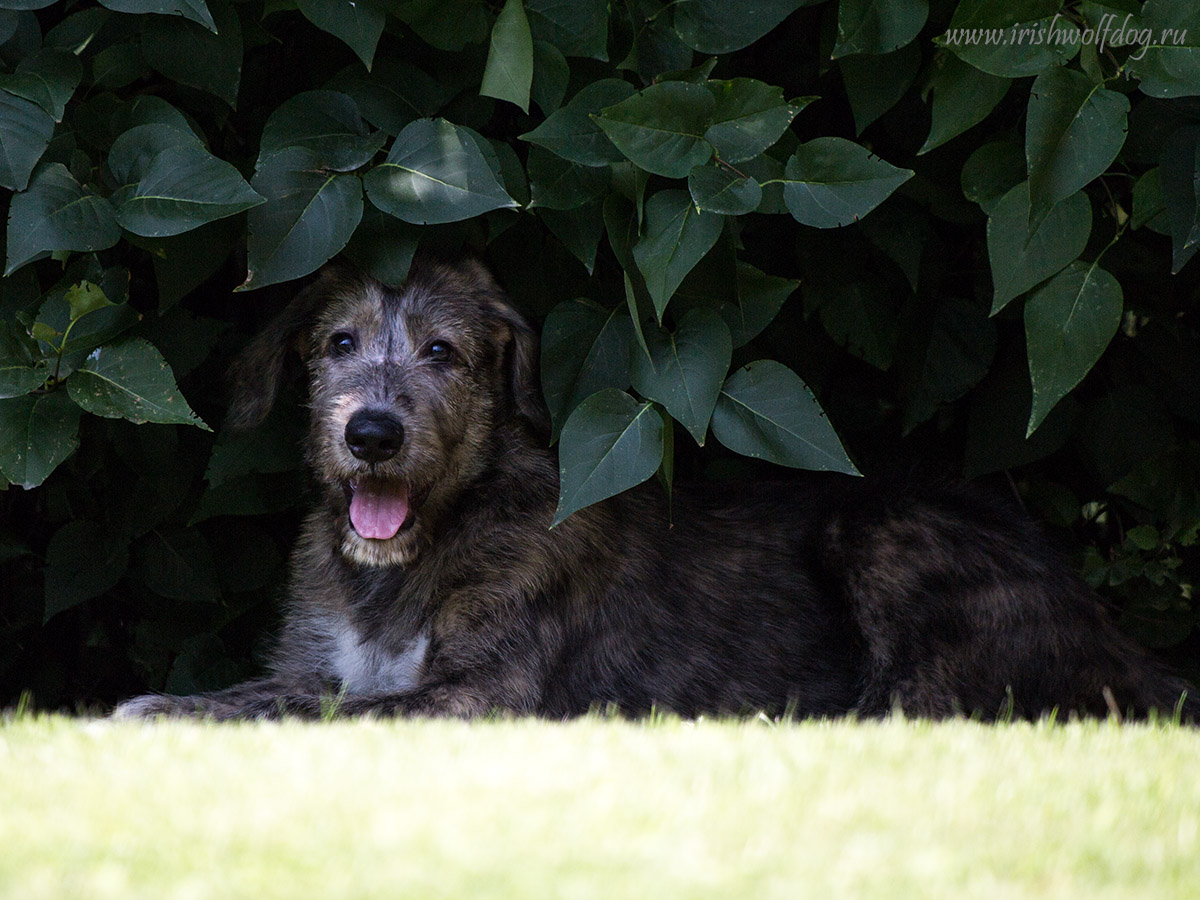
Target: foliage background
<point>974,255</point>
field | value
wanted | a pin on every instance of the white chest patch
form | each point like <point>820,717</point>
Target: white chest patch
<point>366,668</point>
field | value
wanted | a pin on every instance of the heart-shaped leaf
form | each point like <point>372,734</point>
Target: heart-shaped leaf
<point>37,432</point>
<point>1075,130</point>
<point>356,23</point>
<point>675,239</point>
<point>1022,258</point>
<point>585,349</point>
<point>609,444</point>
<point>325,122</point>
<point>130,380</point>
<point>1069,322</point>
<point>573,133</point>
<point>56,212</point>
<point>508,74</point>
<point>686,369</point>
<point>435,172</point>
<point>830,182</point>
<point>661,129</point>
<point>767,412</point>
<point>309,216</point>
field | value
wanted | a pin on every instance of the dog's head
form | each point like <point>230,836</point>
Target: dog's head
<point>407,389</point>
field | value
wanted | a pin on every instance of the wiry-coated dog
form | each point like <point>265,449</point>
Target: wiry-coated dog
<point>428,581</point>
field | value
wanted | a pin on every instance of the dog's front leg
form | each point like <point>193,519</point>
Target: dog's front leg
<point>262,699</point>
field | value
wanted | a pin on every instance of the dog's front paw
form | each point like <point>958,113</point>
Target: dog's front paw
<point>152,706</point>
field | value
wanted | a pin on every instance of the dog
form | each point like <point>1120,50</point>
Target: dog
<point>427,579</point>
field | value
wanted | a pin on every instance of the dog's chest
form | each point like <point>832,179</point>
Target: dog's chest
<point>364,667</point>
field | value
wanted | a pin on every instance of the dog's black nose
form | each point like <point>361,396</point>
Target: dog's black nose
<point>374,436</point>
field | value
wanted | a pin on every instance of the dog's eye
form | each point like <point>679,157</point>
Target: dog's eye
<point>440,351</point>
<point>341,343</point>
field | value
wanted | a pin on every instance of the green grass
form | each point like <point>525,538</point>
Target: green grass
<point>597,808</point>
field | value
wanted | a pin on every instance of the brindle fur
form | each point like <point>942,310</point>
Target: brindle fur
<point>827,596</point>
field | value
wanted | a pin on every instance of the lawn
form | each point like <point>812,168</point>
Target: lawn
<point>597,808</point>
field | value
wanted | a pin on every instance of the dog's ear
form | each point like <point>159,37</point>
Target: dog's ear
<point>519,350</point>
<point>521,366</point>
<point>257,373</point>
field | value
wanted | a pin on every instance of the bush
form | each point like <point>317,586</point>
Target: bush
<point>962,228</point>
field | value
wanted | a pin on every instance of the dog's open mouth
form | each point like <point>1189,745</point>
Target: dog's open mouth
<point>379,510</point>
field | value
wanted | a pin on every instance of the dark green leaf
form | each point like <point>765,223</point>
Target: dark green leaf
<point>722,26</point>
<point>393,94</point>
<point>759,298</point>
<point>942,354</point>
<point>177,563</point>
<point>1074,130</point>
<point>325,122</point>
<point>999,411</point>
<point>579,229</point>
<point>508,74</point>
<point>37,432</point>
<point>609,444</point>
<point>868,26</point>
<point>860,314</point>
<point>718,190</point>
<point>182,188</point>
<point>875,82</point>
<point>1000,13</point>
<point>551,74</point>
<point>185,261</point>
<point>57,213</point>
<point>766,411</point>
<point>1149,207</point>
<point>749,117</point>
<point>962,97</point>
<point>1069,322</point>
<point>446,24</point>
<point>676,237</point>
<point>991,172</point>
<point>1027,47</point>
<point>661,129</point>
<point>658,53</point>
<point>130,380</point>
<point>575,27</point>
<point>186,52</point>
<point>133,152</point>
<point>585,349</point>
<point>18,379</point>
<point>196,10</point>
<point>1179,175</point>
<point>572,133</point>
<point>1021,258</point>
<point>309,216</point>
<point>83,560</point>
<point>357,23</point>
<point>48,78</point>
<point>435,173</point>
<point>556,183</point>
<point>1169,63</point>
<point>831,182</point>
<point>383,247</point>
<point>685,370</point>
<point>119,65</point>
<point>25,130</point>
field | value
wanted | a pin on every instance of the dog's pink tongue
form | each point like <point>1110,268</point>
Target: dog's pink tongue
<point>377,512</point>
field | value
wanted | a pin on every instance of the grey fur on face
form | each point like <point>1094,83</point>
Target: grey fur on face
<point>427,581</point>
